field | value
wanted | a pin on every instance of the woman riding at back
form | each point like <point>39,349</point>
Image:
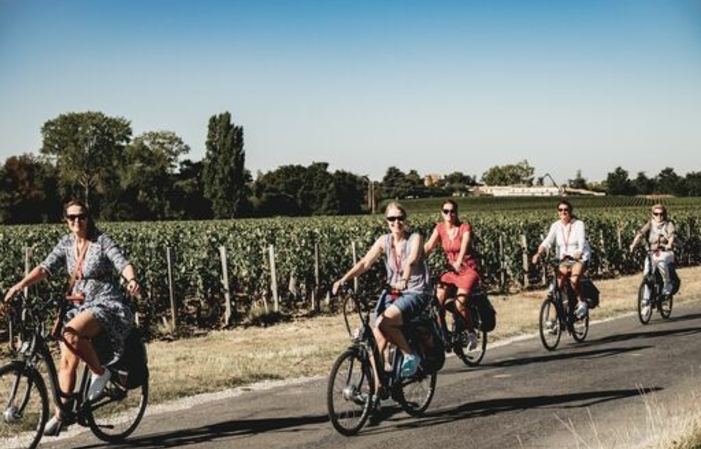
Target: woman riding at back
<point>659,233</point>
<point>456,239</point>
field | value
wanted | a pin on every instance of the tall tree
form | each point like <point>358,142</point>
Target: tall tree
<point>692,180</point>
<point>643,185</point>
<point>617,183</point>
<point>394,184</point>
<point>670,183</point>
<point>147,177</point>
<point>87,146</point>
<point>578,182</point>
<point>224,171</point>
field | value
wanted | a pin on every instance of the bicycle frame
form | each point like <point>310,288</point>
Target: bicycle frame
<point>34,350</point>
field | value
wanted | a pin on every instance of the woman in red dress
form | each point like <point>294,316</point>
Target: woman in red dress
<point>456,239</point>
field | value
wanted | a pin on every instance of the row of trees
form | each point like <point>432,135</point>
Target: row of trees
<point>94,157</point>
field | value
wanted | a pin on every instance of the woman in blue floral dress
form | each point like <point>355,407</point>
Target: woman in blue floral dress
<point>98,302</point>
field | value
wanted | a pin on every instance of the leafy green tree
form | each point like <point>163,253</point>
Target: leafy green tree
<point>224,172</point>
<point>670,183</point>
<point>394,184</point>
<point>511,174</point>
<point>189,201</point>
<point>351,191</point>
<point>692,180</point>
<point>87,148</point>
<point>643,185</point>
<point>28,191</point>
<point>617,183</point>
<point>148,176</point>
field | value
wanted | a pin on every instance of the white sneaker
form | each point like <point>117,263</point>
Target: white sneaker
<point>471,341</point>
<point>581,310</point>
<point>97,384</point>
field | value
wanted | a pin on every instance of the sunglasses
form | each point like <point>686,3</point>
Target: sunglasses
<point>658,214</point>
<point>562,209</point>
<point>72,217</point>
<point>448,211</point>
<point>393,219</point>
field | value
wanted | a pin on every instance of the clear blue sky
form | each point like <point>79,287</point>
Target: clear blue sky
<point>364,85</point>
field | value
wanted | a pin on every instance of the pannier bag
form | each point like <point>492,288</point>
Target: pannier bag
<point>676,281</point>
<point>132,366</point>
<point>488,316</point>
<point>429,344</point>
<point>590,292</point>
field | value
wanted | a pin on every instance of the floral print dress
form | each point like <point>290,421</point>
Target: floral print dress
<point>104,297</point>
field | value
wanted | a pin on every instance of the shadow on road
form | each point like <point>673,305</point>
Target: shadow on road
<point>642,334</point>
<point>507,405</point>
<point>212,432</point>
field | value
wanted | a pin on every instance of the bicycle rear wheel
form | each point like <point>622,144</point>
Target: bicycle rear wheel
<point>470,357</point>
<point>24,404</point>
<point>349,391</point>
<point>549,325</point>
<point>414,394</point>
<point>666,306</point>
<point>118,412</point>
<point>580,328</point>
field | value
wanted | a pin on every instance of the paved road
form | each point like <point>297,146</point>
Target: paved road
<point>523,396</point>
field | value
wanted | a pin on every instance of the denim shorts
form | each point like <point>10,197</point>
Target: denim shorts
<point>410,304</point>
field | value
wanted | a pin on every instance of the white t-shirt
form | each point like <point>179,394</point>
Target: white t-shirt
<point>570,238</point>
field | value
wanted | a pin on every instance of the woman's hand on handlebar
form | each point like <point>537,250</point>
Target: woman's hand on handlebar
<point>337,286</point>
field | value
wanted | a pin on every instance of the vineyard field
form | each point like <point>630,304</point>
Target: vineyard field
<point>311,253</point>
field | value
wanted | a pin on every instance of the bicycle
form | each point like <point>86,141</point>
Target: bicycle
<point>352,382</point>
<point>562,301</point>
<point>454,334</point>
<point>651,294</point>
<point>23,394</point>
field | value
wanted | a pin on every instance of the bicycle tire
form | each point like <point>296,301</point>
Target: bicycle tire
<point>414,394</point>
<point>665,306</point>
<point>349,391</point>
<point>580,329</point>
<point>22,423</point>
<point>116,415</point>
<point>645,312</point>
<point>474,357</point>
<point>549,335</point>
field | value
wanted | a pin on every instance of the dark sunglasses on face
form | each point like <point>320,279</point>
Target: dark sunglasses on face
<point>658,214</point>
<point>393,219</point>
<point>448,211</point>
<point>562,209</point>
<point>72,217</point>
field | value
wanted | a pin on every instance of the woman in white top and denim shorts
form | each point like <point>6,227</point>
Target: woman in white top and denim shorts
<point>569,233</point>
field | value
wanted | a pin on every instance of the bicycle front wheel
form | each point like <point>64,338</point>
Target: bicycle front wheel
<point>549,325</point>
<point>118,412</point>
<point>24,404</point>
<point>644,302</point>
<point>349,392</point>
<point>415,393</point>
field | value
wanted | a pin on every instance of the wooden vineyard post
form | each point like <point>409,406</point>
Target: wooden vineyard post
<point>316,276</point>
<point>502,263</point>
<point>225,285</point>
<point>524,247</point>
<point>355,260</point>
<point>171,294</point>
<point>273,279</point>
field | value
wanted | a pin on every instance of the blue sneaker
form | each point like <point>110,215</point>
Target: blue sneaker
<point>410,365</point>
